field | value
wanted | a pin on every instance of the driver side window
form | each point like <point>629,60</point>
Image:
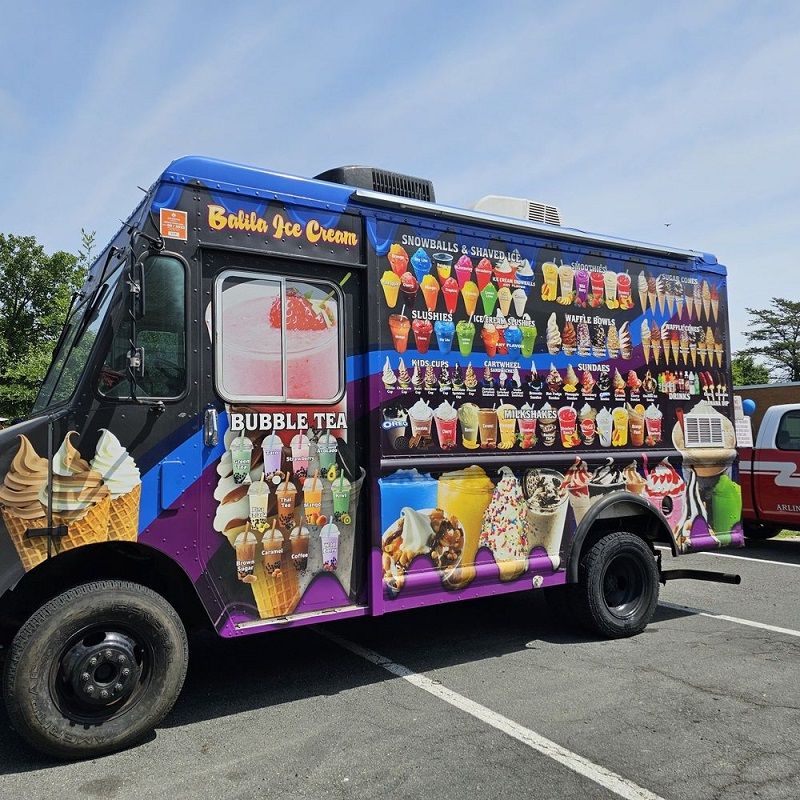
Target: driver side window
<point>161,333</point>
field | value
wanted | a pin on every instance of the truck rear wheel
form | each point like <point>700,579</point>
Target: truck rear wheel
<point>95,669</point>
<point>617,592</point>
<point>759,531</point>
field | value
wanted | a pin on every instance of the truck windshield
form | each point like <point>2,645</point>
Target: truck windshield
<point>77,341</point>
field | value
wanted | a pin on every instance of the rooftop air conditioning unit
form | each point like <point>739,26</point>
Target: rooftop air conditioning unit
<point>519,208</point>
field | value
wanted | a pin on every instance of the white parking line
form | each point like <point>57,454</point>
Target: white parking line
<point>738,620</point>
<point>752,560</point>
<point>620,786</point>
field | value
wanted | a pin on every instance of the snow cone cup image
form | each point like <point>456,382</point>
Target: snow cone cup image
<point>22,486</point>
<point>121,475</point>
<point>390,283</point>
<point>398,259</point>
<point>504,529</point>
<point>547,510</point>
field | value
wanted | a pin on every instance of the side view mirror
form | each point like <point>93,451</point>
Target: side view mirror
<point>136,287</point>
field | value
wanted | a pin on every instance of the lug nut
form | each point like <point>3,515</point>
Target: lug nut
<point>104,694</point>
<point>125,672</point>
<point>117,687</point>
<point>89,689</point>
<point>121,659</point>
<point>85,676</point>
<point>92,662</point>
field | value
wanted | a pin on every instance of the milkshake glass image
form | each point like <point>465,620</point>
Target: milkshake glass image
<point>245,546</point>
<point>391,287</point>
<point>652,422</point>
<point>298,542</point>
<point>507,420</point>
<point>610,285</point>
<point>258,498</point>
<point>470,294</point>
<point>444,264</point>
<point>420,415</point>
<point>550,282</point>
<point>547,511</point>
<point>272,447</point>
<point>399,326</point>
<point>465,333</point>
<point>395,419</point>
<point>423,329</point>
<point>567,423</point>
<point>300,446</point>
<point>619,435</point>
<point>566,275</point>
<point>487,427</point>
<point>272,551</point>
<point>528,328</point>
<point>312,499</point>
<point>548,424</point>
<point>329,536</point>
<point>636,424</point>
<point>341,489</point>
<point>446,421</point>
<point>444,330</point>
<point>468,418</point>
<point>241,451</point>
<point>285,495</point>
<point>327,445</point>
<point>604,424</point>
<point>527,427</point>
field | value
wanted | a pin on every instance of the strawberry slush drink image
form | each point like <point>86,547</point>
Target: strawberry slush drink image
<point>547,511</point>
<point>252,330</point>
<point>422,328</point>
<point>121,475</point>
<point>504,529</point>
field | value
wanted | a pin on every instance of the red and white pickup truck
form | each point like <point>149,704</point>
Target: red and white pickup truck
<point>770,470</point>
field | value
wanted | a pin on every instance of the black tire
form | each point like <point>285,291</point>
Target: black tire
<point>759,531</point>
<point>617,590</point>
<point>122,626</point>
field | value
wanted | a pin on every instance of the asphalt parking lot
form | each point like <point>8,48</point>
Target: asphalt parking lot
<point>497,700</point>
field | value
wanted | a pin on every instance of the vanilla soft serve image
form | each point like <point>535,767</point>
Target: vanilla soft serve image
<point>121,475</point>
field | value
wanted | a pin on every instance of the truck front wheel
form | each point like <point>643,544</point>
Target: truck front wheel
<point>617,592</point>
<point>95,669</point>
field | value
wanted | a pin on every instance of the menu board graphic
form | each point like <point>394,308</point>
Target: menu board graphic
<point>558,351</point>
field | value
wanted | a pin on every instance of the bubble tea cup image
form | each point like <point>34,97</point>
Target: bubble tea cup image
<point>340,489</point>
<point>258,498</point>
<point>329,537</point>
<point>272,550</point>
<point>245,546</point>
<point>312,499</point>
<point>286,493</point>
<point>272,447</point>
<point>241,452</point>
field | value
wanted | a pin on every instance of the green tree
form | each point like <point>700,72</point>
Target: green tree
<point>747,371</point>
<point>774,334</point>
<point>35,293</point>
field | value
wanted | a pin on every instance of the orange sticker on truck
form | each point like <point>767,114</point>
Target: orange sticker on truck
<point>173,224</point>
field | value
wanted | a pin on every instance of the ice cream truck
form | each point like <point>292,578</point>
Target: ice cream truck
<point>281,401</point>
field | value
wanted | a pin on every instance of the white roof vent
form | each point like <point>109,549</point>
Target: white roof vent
<point>519,208</point>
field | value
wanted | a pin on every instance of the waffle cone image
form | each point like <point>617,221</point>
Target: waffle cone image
<point>123,521</point>
<point>646,350</point>
<point>276,595</point>
<point>91,528</point>
<point>719,354</point>
<point>698,307</point>
<point>31,551</point>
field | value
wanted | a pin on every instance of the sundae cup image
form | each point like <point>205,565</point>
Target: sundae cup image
<point>390,282</point>
<point>507,420</point>
<point>641,285</point>
<point>300,446</point>
<point>458,378</point>
<point>450,293</point>
<point>649,385</point>
<point>444,330</point>
<point>504,299</point>
<point>298,544</point>
<point>121,475</point>
<point>504,529</point>
<point>619,436</point>
<point>582,287</point>
<point>430,291</point>
<point>422,328</point>
<point>241,452</point>
<point>528,328</point>
<point>666,490</point>
<point>636,424</point>
<point>527,427</point>
<point>633,381</point>
<point>625,346</point>
<point>570,380</point>
<point>22,486</point>
<point>420,416</point>
<point>409,286</point>
<point>652,424</point>
<point>634,482</point>
<point>398,259</point>
<point>569,338</point>
<point>705,461</point>
<point>464,495</point>
<point>446,420</point>
<point>421,264</point>
<point>489,299</point>
<point>566,275</point>
<point>550,281</point>
<point>605,479</point>
<point>553,335</point>
<point>341,489</point>
<point>597,284</point>
<point>430,381</point>
<point>726,508</point>
<point>504,274</point>
<point>604,424</point>
<point>599,344</point>
<point>444,265</point>
<point>487,428</point>
<point>395,420</point>
<point>554,380</point>
<point>490,338</point>
<point>610,286</point>
<point>470,294</point>
<point>619,385</point>
<point>327,446</point>
<point>587,422</point>
<point>520,298</point>
<point>245,546</point>
<point>465,333</point>
<point>547,511</point>
<point>483,273</point>
<point>576,482</point>
<point>272,544</point>
<point>587,383</point>
<point>468,418</point>
<point>568,425</point>
<point>612,340</point>
<point>548,424</point>
<point>399,326</point>
<point>388,377</point>
<point>463,270</point>
<point>312,499</point>
<point>258,500</point>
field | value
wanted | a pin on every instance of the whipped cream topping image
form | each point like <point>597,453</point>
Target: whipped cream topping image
<point>113,462</point>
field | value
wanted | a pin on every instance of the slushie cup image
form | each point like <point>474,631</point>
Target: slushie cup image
<point>399,325</point>
<point>470,294</point>
<point>465,333</point>
<point>398,259</point>
<point>272,551</point>
<point>430,291</point>
<point>420,415</point>
<point>604,424</point>
<point>444,330</point>
<point>568,425</point>
<point>507,420</point>
<point>258,498</point>
<point>446,421</point>
<point>450,293</point>
<point>550,282</point>
<point>285,495</point>
<point>329,536</point>
<point>298,542</point>
<point>421,264</point>
<point>619,436</point>
<point>528,328</point>
<point>547,510</point>
<point>487,427</point>
<point>468,418</point>
<point>340,489</point>
<point>245,546</point>
<point>327,446</point>
<point>490,338</point>
<point>423,329</point>
<point>301,447</point>
<point>391,287</point>
<point>241,452</point>
<point>312,499</point>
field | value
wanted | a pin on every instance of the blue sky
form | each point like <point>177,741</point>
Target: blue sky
<point>627,115</point>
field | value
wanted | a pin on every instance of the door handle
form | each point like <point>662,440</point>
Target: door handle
<point>211,427</point>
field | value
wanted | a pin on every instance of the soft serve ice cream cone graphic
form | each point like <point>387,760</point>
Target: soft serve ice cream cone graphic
<point>121,475</point>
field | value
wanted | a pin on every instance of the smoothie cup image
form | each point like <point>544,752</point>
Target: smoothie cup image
<point>444,265</point>
<point>468,418</point>
<point>581,287</point>
<point>489,299</point>
<point>272,447</point>
<point>566,276</point>
<point>568,425</point>
<point>604,424</point>
<point>286,493</point>
<point>245,545</point>
<point>450,294</point>
<point>446,420</point>
<point>341,490</point>
<point>420,416</point>
<point>390,283</point>
<point>636,424</point>
<point>399,325</point>
<point>507,421</point>
<point>528,328</point>
<point>409,286</point>
<point>487,428</point>
<point>444,330</point>
<point>547,499</point>
<point>298,543</point>
<point>430,291</point>
<point>300,446</point>
<point>463,271</point>
<point>395,421</point>
<point>465,333</point>
<point>504,273</point>
<point>329,537</point>
<point>421,264</point>
<point>398,259</point>
<point>619,436</point>
<point>423,329</point>
<point>272,551</point>
<point>624,290</point>
<point>470,294</point>
<point>483,273</point>
<point>258,498</point>
<point>610,286</point>
<point>597,282</point>
<point>550,281</point>
<point>241,452</point>
<point>490,338</point>
<point>312,499</point>
<point>327,446</point>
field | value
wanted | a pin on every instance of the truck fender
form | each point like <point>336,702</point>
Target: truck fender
<point>651,524</point>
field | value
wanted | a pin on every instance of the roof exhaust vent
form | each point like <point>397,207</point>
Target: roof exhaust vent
<point>519,208</point>
<point>380,180</point>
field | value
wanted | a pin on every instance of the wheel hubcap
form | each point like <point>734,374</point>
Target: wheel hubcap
<point>623,586</point>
